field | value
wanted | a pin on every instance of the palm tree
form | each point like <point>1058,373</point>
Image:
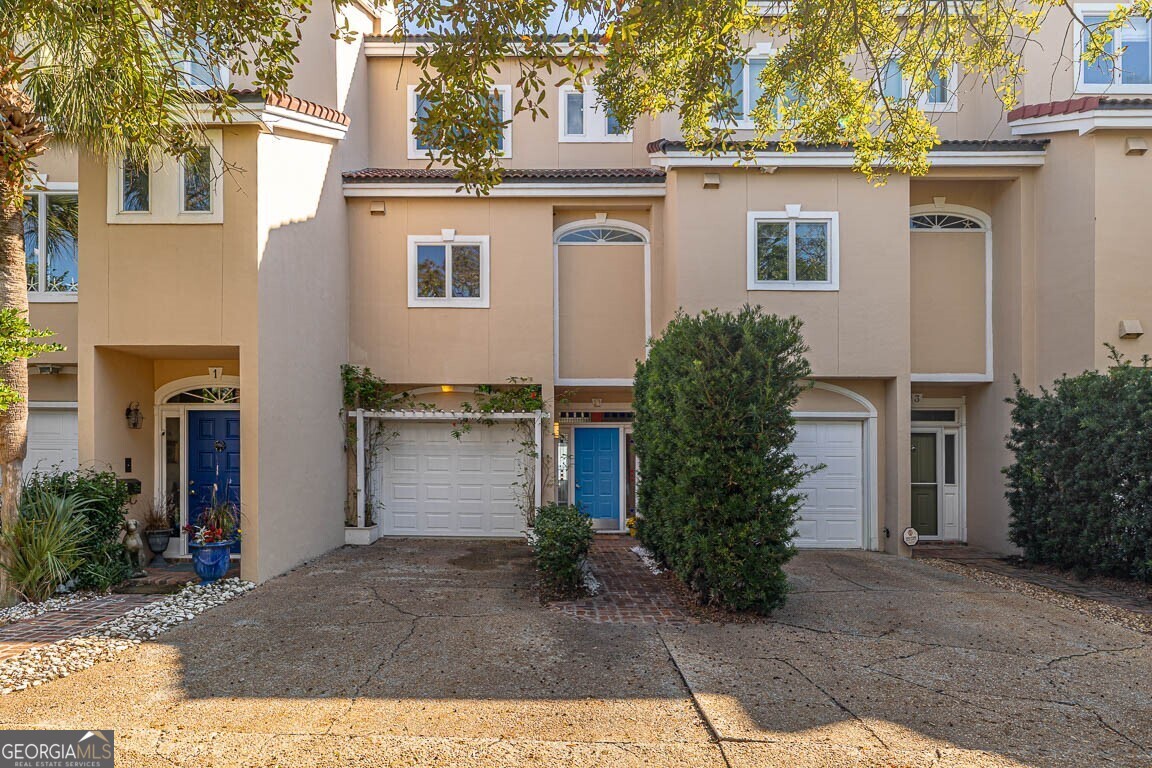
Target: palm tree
<point>111,78</point>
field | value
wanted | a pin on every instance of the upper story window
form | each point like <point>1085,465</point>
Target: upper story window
<point>793,250</point>
<point>448,270</point>
<point>583,120</point>
<point>1126,65</point>
<point>745,84</point>
<point>135,186</point>
<point>198,75</point>
<point>183,190</point>
<point>418,110</point>
<point>939,97</point>
<point>51,240</point>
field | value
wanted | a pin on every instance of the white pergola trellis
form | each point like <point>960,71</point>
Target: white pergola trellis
<point>362,417</point>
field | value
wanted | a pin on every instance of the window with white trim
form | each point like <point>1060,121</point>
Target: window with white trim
<point>1126,66</point>
<point>448,270</point>
<point>793,250</point>
<point>418,109</point>
<point>196,180</point>
<point>745,84</point>
<point>582,119</point>
<point>941,93</point>
<point>51,244</point>
<point>163,189</point>
<point>135,186</point>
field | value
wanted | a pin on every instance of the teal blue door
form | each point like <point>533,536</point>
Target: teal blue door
<point>213,460</point>
<point>597,475</point>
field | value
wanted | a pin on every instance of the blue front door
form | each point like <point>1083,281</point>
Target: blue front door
<point>598,475</point>
<point>213,460</point>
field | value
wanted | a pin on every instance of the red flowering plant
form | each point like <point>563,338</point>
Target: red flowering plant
<point>217,523</point>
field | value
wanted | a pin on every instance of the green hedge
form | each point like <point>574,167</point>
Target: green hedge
<point>563,535</point>
<point>1080,487</point>
<point>104,501</point>
<point>713,429</point>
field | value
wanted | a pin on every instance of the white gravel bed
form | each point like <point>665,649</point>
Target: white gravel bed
<point>23,611</point>
<point>60,659</point>
<point>648,559</point>
<point>1082,605</point>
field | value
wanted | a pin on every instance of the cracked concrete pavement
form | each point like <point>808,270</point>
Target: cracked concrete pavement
<point>436,653</point>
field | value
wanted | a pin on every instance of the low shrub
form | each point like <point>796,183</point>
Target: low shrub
<point>105,499</point>
<point>713,428</point>
<point>47,544</point>
<point>563,538</point>
<point>1080,487</point>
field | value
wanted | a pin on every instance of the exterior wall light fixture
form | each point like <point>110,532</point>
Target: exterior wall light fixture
<point>133,415</point>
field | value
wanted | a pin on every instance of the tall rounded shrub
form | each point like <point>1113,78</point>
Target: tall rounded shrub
<point>713,429</point>
<point>1080,486</point>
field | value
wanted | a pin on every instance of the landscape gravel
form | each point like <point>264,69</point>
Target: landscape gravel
<point>44,663</point>
<point>22,611</point>
<point>1082,605</point>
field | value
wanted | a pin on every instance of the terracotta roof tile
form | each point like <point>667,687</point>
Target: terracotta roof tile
<point>1076,106</point>
<point>521,175</point>
<point>293,104</point>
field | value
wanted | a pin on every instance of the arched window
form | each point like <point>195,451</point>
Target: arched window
<point>206,396</point>
<point>598,235</point>
<point>944,222</point>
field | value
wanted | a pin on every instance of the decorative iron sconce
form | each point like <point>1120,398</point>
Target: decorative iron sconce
<point>133,415</point>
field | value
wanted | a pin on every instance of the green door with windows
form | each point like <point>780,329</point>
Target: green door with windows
<point>925,484</point>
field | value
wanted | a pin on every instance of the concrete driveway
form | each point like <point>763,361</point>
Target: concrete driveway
<point>436,653</point>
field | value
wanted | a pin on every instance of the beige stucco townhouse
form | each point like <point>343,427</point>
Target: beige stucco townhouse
<point>207,308</point>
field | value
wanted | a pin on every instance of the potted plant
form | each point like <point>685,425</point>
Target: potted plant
<point>159,523</point>
<point>211,537</point>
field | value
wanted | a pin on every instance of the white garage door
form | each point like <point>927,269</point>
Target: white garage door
<point>437,485</point>
<point>52,440</point>
<point>833,515</point>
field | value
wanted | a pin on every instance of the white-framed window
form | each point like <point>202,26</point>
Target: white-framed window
<point>448,270</point>
<point>51,243</point>
<point>196,172</point>
<point>135,185</point>
<point>197,74</point>
<point>793,250</point>
<point>169,190</point>
<point>417,108</point>
<point>745,83</point>
<point>1126,66</point>
<point>583,120</point>
<point>941,93</point>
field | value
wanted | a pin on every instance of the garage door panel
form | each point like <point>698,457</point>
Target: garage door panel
<point>833,510</point>
<point>53,441</point>
<point>436,485</point>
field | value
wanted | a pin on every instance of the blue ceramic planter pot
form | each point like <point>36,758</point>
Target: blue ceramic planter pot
<point>211,561</point>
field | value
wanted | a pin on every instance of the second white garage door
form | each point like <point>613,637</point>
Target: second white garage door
<point>52,440</point>
<point>437,485</point>
<point>833,515</point>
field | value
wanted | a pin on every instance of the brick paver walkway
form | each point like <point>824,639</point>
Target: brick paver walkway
<point>69,622</point>
<point>630,592</point>
<point>974,557</point>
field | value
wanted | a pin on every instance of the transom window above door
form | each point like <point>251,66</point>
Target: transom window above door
<point>448,270</point>
<point>793,250</point>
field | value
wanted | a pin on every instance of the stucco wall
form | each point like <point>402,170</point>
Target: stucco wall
<point>948,317</point>
<point>859,330</point>
<point>601,310</point>
<point>535,143</point>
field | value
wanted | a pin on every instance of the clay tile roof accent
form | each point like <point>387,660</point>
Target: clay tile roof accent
<point>517,175</point>
<point>663,146</point>
<point>293,104</point>
<point>1076,106</point>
